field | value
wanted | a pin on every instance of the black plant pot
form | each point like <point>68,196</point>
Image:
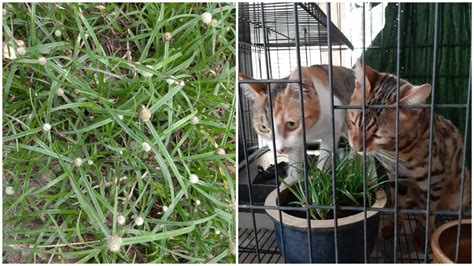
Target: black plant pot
<point>350,233</point>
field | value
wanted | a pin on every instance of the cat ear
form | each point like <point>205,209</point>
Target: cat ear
<point>252,90</point>
<point>415,94</point>
<point>370,77</point>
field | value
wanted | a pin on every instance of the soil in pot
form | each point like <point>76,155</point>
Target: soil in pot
<point>267,176</point>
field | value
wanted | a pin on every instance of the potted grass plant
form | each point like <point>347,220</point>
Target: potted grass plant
<point>349,192</point>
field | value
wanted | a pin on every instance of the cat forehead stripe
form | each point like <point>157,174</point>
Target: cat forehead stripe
<point>386,88</point>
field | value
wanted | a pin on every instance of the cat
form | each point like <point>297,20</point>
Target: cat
<point>447,149</point>
<point>287,113</point>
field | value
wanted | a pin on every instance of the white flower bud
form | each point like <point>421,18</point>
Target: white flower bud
<point>9,52</point>
<point>232,248</point>
<point>167,36</point>
<point>57,33</point>
<point>42,60</point>
<point>114,242</point>
<point>21,50</point>
<point>220,151</point>
<point>20,42</point>
<point>90,162</point>
<point>120,117</point>
<point>9,190</point>
<point>165,208</point>
<point>218,232</point>
<point>60,92</point>
<point>193,178</point>
<point>144,114</point>
<point>197,202</point>
<point>146,147</point>
<point>194,120</point>
<point>147,74</point>
<point>170,81</point>
<point>46,127</point>
<point>206,17</point>
<point>121,219</point>
<point>139,221</point>
<point>100,7</point>
<point>181,84</point>
<point>78,162</point>
<point>214,23</point>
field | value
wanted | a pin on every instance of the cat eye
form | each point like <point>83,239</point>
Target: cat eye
<point>380,133</point>
<point>263,128</point>
<point>291,125</point>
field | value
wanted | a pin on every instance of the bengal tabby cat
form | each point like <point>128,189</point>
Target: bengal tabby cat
<point>287,115</point>
<point>447,149</point>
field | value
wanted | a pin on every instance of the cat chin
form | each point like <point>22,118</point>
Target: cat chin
<point>284,151</point>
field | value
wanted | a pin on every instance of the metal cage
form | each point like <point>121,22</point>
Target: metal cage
<point>275,37</point>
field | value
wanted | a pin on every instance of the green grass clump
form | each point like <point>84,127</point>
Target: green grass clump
<point>106,69</point>
<point>349,185</point>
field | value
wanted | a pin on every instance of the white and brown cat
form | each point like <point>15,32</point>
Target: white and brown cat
<point>287,115</point>
<point>447,149</point>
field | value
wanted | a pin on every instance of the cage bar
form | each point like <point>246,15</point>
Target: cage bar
<point>430,148</point>
<point>333,131</point>
<point>277,184</point>
<point>242,132</point>
<point>303,130</point>
<point>364,151</point>
<point>397,139</point>
<point>461,197</point>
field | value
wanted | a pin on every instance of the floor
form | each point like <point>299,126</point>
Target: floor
<point>382,253</point>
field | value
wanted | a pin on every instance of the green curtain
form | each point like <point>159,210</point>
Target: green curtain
<point>417,23</point>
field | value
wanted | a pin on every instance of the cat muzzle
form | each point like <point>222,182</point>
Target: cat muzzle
<point>284,150</point>
<point>367,153</point>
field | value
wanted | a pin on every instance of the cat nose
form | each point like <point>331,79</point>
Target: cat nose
<point>279,147</point>
<point>357,147</point>
<point>356,144</point>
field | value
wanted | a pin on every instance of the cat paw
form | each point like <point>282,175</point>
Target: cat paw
<point>386,232</point>
<point>418,239</point>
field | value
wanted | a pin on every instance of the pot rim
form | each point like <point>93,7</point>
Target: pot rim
<point>437,251</point>
<point>381,200</point>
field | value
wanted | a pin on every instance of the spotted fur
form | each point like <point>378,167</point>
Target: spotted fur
<point>447,148</point>
<point>287,115</point>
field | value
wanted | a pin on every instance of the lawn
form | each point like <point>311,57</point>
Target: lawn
<point>119,133</point>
